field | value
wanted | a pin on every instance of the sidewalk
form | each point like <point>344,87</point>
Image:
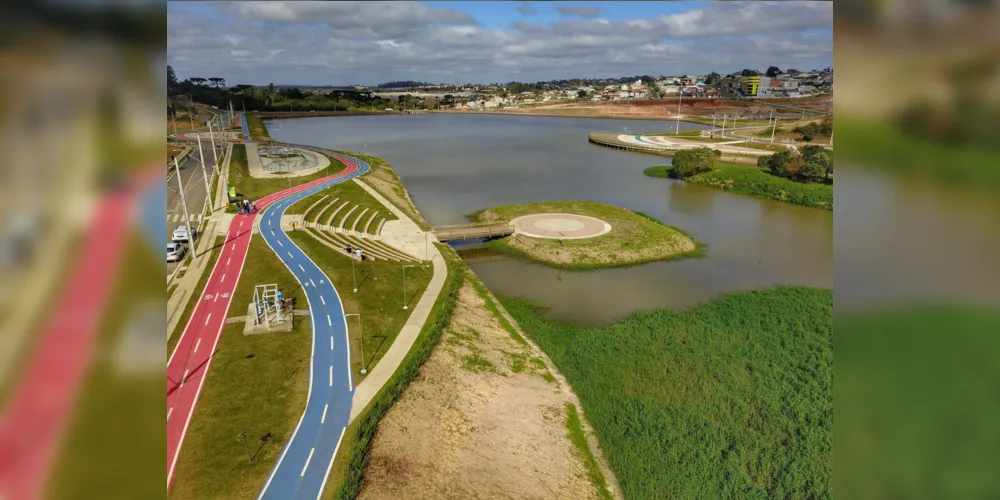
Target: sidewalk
<point>187,284</point>
<point>403,234</point>
<point>380,374</point>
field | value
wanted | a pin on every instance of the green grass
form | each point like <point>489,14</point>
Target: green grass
<point>731,399</point>
<point>491,306</point>
<point>257,385</point>
<point>258,131</point>
<point>255,189</point>
<point>662,171</point>
<point>384,180</point>
<point>579,440</point>
<point>634,238</point>
<point>116,402</point>
<point>379,299</point>
<point>752,181</point>
<point>348,468</point>
<point>195,296</point>
<point>888,148</point>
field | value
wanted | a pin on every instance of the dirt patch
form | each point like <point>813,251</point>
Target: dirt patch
<point>484,419</point>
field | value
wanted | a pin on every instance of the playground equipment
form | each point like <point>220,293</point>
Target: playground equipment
<point>267,307</point>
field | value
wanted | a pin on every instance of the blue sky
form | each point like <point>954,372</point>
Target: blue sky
<point>341,43</point>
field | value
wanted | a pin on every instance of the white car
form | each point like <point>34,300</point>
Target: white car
<point>175,252</point>
<point>181,234</point>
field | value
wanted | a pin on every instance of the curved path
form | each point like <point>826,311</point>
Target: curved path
<point>188,365</point>
<point>305,461</point>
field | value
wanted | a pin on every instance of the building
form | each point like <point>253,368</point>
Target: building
<point>750,85</point>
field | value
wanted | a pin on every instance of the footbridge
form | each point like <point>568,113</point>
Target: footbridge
<point>473,231</point>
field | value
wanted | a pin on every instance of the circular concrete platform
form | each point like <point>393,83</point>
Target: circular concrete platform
<point>560,226</point>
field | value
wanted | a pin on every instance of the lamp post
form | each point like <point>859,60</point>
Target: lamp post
<point>361,332</point>
<point>404,284</point>
<point>354,275</point>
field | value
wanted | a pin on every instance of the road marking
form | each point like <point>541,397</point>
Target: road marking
<point>350,381</point>
<point>196,345</point>
<point>330,466</point>
<point>311,282</point>
<point>233,247</point>
<point>269,223</point>
<point>280,243</point>
<point>331,375</point>
<point>171,410</point>
<point>241,224</point>
<point>290,255</point>
<point>306,466</point>
<point>223,278</point>
<point>329,322</point>
<point>228,259</point>
<point>302,268</point>
<point>216,299</point>
<point>272,232</point>
<point>322,300</point>
<point>331,343</point>
<point>323,418</point>
<point>184,378</point>
<point>208,318</point>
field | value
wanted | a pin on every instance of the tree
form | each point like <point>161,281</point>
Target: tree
<point>171,77</point>
<point>812,170</point>
<point>217,81</point>
<point>197,80</point>
<point>689,162</point>
<point>782,164</point>
<point>773,71</point>
<point>792,71</point>
<point>270,88</point>
<point>712,77</point>
<point>749,72</point>
<point>581,93</point>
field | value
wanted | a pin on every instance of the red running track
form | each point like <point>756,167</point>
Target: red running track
<point>39,409</point>
<point>188,365</point>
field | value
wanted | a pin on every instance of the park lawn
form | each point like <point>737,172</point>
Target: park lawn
<point>731,399</point>
<point>118,419</point>
<point>662,171</point>
<point>257,384</point>
<point>753,181</point>
<point>634,237</point>
<point>255,189</point>
<point>379,299</point>
<point>354,194</point>
<point>258,130</point>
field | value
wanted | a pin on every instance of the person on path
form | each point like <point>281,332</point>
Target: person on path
<point>358,253</point>
<point>253,207</point>
<point>280,297</point>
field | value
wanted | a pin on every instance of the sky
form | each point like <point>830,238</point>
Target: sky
<point>367,43</point>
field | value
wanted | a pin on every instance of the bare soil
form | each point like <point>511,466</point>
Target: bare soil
<point>485,418</point>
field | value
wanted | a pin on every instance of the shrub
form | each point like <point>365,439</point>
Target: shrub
<point>812,170</point>
<point>690,162</point>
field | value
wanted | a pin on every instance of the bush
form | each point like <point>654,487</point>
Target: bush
<point>812,170</point>
<point>783,164</point>
<point>690,162</point>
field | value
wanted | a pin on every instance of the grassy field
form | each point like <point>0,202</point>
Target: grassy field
<point>347,473</point>
<point>384,180</point>
<point>634,237</point>
<point>257,385</point>
<point>379,299</point>
<point>255,189</point>
<point>751,180</point>
<point>258,131</point>
<point>732,399</point>
<point>662,171</point>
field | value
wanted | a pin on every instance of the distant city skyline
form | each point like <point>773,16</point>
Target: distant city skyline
<point>368,43</point>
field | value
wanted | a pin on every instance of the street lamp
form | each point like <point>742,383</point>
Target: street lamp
<point>362,334</point>
<point>404,283</point>
<point>354,275</point>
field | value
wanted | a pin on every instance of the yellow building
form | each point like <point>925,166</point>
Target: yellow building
<point>750,85</point>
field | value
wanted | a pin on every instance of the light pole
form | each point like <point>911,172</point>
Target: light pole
<point>404,283</point>
<point>773,127</point>
<point>354,275</point>
<point>677,130</point>
<point>361,332</point>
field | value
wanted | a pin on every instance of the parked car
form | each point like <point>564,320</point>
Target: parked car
<point>181,234</point>
<point>175,252</point>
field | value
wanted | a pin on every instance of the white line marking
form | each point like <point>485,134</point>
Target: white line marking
<point>329,322</point>
<point>268,222</point>
<point>302,268</point>
<point>322,300</point>
<point>306,466</point>
<point>196,345</point>
<point>327,476</point>
<point>289,254</point>
<point>208,318</point>
<point>311,282</point>
<point>272,232</point>
<point>331,343</point>
<point>216,299</point>
<point>184,378</point>
<point>171,410</point>
<point>350,381</point>
<point>323,418</point>
<point>331,376</point>
<point>280,243</point>
<point>223,278</point>
<point>228,259</point>
<point>241,224</point>
<point>233,247</point>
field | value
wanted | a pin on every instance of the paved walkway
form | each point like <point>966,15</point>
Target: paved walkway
<point>560,226</point>
<point>407,236</point>
<point>256,167</point>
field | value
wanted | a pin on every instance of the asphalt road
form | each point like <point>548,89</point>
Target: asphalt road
<point>194,193</point>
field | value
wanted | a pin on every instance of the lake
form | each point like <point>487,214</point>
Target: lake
<point>455,164</point>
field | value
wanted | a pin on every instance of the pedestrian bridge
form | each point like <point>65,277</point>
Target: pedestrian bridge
<point>473,231</point>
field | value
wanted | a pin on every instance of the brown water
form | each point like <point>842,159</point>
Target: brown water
<point>456,164</point>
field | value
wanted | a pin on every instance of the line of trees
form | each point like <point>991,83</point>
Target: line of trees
<point>813,164</point>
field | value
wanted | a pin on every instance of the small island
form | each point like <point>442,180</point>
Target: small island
<point>584,235</point>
